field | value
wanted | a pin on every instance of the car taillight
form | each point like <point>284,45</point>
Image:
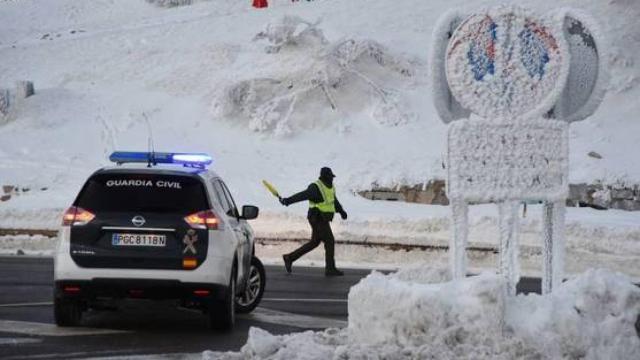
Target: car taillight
<point>76,216</point>
<point>203,220</point>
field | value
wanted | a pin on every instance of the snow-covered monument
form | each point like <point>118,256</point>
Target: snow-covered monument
<point>509,82</point>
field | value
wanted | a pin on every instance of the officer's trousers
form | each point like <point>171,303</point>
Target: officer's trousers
<point>320,232</point>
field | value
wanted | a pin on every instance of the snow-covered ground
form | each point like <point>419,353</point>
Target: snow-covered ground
<point>595,238</point>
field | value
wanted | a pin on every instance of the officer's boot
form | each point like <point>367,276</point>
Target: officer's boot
<point>333,272</point>
<point>330,262</point>
<point>288,261</point>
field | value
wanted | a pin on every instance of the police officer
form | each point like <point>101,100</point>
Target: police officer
<point>323,204</point>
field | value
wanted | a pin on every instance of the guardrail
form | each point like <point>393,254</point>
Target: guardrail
<point>386,246</point>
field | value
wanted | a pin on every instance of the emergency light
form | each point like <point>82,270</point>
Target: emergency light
<point>195,160</point>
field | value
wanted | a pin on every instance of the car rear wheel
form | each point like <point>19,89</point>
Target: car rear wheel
<point>250,298</point>
<point>222,313</point>
<point>67,312</point>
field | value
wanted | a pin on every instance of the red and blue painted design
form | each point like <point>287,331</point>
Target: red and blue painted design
<point>535,45</point>
<point>482,50</point>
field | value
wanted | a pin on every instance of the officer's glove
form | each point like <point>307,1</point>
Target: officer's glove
<point>343,215</point>
<point>283,201</point>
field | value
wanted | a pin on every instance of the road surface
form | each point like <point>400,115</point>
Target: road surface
<point>301,301</point>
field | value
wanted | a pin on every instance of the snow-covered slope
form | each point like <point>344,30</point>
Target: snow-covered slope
<point>104,68</point>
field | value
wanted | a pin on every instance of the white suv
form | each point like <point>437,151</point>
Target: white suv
<point>157,226</point>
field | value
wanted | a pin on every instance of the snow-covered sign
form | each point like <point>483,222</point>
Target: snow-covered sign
<point>527,76</point>
<point>506,63</point>
<point>492,161</point>
<point>587,78</point>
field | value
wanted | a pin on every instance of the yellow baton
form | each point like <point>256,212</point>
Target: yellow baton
<point>271,188</point>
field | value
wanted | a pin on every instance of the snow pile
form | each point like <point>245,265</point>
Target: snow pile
<point>589,317</point>
<point>308,345</point>
<point>592,316</point>
<point>411,314</point>
<point>460,319</point>
<point>338,78</point>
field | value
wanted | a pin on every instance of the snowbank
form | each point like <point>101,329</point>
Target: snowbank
<point>35,245</point>
<point>391,317</point>
<point>592,316</point>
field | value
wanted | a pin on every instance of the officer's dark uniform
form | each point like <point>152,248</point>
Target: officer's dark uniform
<point>321,211</point>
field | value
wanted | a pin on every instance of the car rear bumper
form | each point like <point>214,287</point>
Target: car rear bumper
<point>215,270</point>
<point>138,289</point>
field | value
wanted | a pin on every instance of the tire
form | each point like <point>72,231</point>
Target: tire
<point>250,298</point>
<point>67,312</point>
<point>222,313</point>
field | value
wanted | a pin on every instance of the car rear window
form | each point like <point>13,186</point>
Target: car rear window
<point>143,193</point>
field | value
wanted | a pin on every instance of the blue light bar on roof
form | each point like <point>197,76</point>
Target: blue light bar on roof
<point>196,160</point>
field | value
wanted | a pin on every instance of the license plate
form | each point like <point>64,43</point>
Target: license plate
<point>138,240</point>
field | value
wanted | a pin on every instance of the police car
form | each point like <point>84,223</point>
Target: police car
<point>157,226</point>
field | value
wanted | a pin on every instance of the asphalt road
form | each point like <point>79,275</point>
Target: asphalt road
<point>301,301</point>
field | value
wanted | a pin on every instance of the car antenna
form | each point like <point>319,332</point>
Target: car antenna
<point>152,154</point>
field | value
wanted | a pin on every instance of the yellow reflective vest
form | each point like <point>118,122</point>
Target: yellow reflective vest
<point>328,205</point>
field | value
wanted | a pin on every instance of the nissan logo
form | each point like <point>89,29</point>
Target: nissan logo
<point>138,220</point>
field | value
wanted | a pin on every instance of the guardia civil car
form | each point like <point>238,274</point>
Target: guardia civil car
<point>157,226</point>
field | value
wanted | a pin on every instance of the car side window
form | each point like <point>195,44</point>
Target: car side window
<point>227,193</point>
<point>227,205</point>
<point>219,197</point>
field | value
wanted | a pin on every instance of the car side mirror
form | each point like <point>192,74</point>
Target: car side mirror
<point>250,212</point>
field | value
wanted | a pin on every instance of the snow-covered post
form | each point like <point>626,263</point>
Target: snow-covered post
<point>508,224</point>
<point>24,89</point>
<point>553,215</point>
<point>458,242</point>
<point>526,76</point>
<point>4,102</point>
